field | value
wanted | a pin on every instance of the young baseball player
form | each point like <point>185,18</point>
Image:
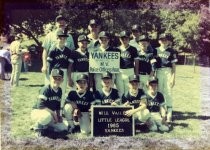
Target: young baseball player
<point>128,55</point>
<point>145,64</point>
<point>79,102</point>
<point>46,111</point>
<point>61,57</point>
<point>107,95</point>
<point>156,106</point>
<point>81,58</point>
<point>136,30</point>
<point>136,97</point>
<point>50,43</point>
<point>166,67</point>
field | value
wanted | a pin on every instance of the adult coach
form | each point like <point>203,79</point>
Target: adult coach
<point>166,68</point>
<point>50,42</point>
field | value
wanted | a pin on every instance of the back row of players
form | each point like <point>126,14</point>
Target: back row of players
<point>137,57</point>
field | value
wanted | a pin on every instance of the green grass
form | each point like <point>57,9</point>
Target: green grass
<point>186,95</point>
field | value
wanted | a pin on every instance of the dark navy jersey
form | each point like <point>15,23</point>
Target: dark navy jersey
<point>83,100</point>
<point>107,99</point>
<point>127,57</point>
<point>60,58</point>
<point>81,61</point>
<point>145,66</point>
<point>134,100</point>
<point>166,58</point>
<point>153,104</point>
<point>48,98</point>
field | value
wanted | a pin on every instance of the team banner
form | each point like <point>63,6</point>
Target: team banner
<point>100,62</point>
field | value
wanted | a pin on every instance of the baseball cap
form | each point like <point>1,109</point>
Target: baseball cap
<point>93,21</point>
<point>57,73</point>
<point>152,80</point>
<point>83,38</point>
<point>136,27</point>
<point>103,34</point>
<point>142,38</point>
<point>124,34</point>
<point>61,33</point>
<point>81,77</point>
<point>134,78</point>
<point>59,18</point>
<point>106,75</point>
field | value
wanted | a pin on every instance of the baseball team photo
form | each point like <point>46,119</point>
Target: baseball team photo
<point>105,75</point>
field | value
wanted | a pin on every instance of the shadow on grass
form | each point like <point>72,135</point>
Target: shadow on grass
<point>35,85</point>
<point>23,79</point>
<point>177,115</point>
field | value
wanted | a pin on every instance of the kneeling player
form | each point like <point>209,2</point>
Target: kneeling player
<point>46,112</point>
<point>136,97</point>
<point>78,104</point>
<point>156,106</point>
<point>107,95</point>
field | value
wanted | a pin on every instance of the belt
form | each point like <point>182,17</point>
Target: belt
<point>143,73</point>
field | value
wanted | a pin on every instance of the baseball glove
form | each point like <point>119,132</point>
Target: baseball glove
<point>76,115</point>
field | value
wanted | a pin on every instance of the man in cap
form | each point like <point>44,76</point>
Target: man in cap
<point>78,105</point>
<point>50,43</point>
<point>156,106</point>
<point>94,28</point>
<point>136,30</point>
<point>128,55</point>
<point>46,111</point>
<point>145,64</point>
<point>107,95</point>
<point>136,97</point>
<point>61,57</point>
<point>166,67</point>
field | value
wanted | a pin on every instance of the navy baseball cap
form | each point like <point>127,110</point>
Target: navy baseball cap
<point>153,80</point>
<point>59,18</point>
<point>143,38</point>
<point>61,33</point>
<point>134,78</point>
<point>94,21</point>
<point>103,34</point>
<point>57,73</point>
<point>106,75</point>
<point>124,34</point>
<point>82,77</point>
<point>136,27</point>
<point>83,38</point>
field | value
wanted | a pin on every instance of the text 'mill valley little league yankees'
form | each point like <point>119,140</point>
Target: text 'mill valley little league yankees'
<point>145,80</point>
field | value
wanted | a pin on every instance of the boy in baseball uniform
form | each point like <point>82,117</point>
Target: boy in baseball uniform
<point>79,102</point>
<point>46,111</point>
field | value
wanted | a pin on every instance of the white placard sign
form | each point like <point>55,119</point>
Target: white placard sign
<point>100,62</point>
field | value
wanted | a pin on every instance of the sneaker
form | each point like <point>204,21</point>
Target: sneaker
<point>38,133</point>
<point>71,129</point>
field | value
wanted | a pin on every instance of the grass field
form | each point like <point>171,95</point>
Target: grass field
<point>186,95</point>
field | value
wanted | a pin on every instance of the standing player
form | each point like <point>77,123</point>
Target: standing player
<point>156,106</point>
<point>46,112</point>
<point>79,101</point>
<point>136,30</point>
<point>50,43</point>
<point>108,95</point>
<point>166,67</point>
<point>145,64</point>
<point>136,97</point>
<point>94,28</point>
<point>128,54</point>
<point>81,57</point>
<point>61,57</point>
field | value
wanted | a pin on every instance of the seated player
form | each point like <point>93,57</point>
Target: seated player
<point>136,97</point>
<point>156,106</point>
<point>46,111</point>
<point>107,95</point>
<point>79,102</point>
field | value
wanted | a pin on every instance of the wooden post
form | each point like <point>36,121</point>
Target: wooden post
<point>194,57</point>
<point>184,59</point>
